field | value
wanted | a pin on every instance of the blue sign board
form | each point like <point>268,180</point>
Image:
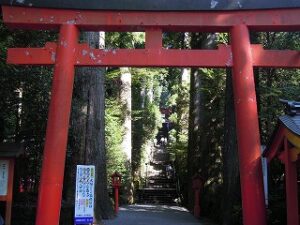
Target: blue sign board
<point>84,194</point>
<point>83,220</point>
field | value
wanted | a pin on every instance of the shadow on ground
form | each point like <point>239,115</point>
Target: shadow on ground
<point>155,215</point>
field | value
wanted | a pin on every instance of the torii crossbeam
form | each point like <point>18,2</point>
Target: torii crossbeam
<point>67,53</point>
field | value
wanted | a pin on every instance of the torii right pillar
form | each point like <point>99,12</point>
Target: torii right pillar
<point>254,211</point>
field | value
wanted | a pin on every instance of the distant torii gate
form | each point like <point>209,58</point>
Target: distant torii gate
<point>242,56</point>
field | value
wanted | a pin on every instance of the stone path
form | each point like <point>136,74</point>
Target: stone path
<point>155,215</point>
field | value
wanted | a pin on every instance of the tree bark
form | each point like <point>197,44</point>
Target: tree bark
<point>231,187</point>
<point>193,147</point>
<point>125,98</point>
<point>87,138</point>
<point>198,145</point>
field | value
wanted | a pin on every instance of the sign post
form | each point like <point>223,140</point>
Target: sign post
<point>4,165</point>
<point>8,153</point>
<point>84,194</point>
<point>264,164</point>
<point>6,185</point>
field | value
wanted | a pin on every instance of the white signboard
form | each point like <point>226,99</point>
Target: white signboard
<point>84,194</point>
<point>265,175</point>
<point>4,165</point>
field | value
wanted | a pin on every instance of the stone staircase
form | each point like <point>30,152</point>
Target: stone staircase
<point>160,185</point>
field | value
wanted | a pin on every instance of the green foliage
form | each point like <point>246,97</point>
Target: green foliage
<point>124,39</point>
<point>145,105</point>
<point>25,93</point>
<point>151,123</point>
<point>146,93</point>
<point>113,138</point>
<point>273,84</point>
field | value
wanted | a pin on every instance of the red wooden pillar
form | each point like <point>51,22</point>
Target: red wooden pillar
<point>197,204</point>
<point>116,200</point>
<point>9,192</point>
<point>291,187</point>
<point>116,183</point>
<point>51,184</point>
<point>197,185</point>
<point>254,212</point>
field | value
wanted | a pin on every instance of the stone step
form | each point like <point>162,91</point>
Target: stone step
<point>161,157</point>
<point>154,180</point>
<point>161,182</point>
<point>157,195</point>
<point>161,185</point>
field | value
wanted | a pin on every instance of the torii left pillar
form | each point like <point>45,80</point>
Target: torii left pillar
<point>52,174</point>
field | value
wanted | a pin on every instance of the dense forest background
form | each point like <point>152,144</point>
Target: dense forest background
<point>116,114</point>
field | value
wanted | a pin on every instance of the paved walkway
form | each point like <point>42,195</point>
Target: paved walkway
<point>154,215</point>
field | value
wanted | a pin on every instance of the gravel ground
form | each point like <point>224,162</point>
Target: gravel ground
<point>154,215</point>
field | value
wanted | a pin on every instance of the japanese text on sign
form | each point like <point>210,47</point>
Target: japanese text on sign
<point>4,165</point>
<point>84,195</point>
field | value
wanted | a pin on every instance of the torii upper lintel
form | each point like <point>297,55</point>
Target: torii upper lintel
<point>157,5</point>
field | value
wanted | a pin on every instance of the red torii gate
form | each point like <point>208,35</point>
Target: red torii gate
<point>67,53</point>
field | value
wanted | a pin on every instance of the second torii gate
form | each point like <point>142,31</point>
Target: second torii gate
<point>67,53</point>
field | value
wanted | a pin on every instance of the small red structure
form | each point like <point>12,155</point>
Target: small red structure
<point>8,153</point>
<point>116,183</point>
<point>197,185</point>
<point>285,145</point>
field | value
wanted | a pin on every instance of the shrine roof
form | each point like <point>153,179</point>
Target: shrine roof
<point>287,125</point>
<point>291,122</point>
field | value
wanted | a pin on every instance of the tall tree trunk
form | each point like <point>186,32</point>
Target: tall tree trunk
<point>125,98</point>
<point>87,140</point>
<point>231,187</point>
<point>183,82</point>
<point>198,146</point>
<point>19,110</point>
<point>182,113</point>
<point>193,147</point>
